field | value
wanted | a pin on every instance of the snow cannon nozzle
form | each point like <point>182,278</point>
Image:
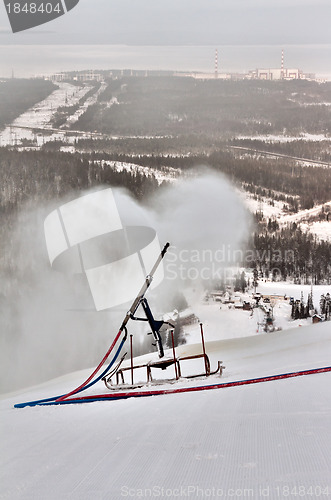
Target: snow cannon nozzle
<point>165,248</point>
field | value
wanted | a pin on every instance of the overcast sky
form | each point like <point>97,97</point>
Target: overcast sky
<point>182,22</point>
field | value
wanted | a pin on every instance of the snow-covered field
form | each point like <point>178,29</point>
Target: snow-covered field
<point>269,207</point>
<point>270,440</point>
<point>322,229</point>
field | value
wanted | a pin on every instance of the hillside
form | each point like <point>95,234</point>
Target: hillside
<point>270,436</point>
<point>180,106</point>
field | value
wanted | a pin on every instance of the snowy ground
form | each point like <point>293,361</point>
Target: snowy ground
<point>237,323</point>
<point>269,440</point>
<point>275,209</point>
<point>282,288</point>
<point>322,229</point>
<point>305,214</point>
<point>269,207</point>
<point>225,321</point>
<point>166,174</point>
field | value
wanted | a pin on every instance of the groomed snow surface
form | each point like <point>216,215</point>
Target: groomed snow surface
<point>269,440</point>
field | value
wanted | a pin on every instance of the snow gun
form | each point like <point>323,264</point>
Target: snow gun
<point>155,327</point>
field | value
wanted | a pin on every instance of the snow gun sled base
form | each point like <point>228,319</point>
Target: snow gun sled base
<point>116,379</point>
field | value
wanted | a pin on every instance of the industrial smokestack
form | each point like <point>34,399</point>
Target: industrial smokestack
<point>216,63</point>
<point>282,73</point>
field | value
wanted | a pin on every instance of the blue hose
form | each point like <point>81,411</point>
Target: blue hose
<point>127,395</point>
<point>48,400</point>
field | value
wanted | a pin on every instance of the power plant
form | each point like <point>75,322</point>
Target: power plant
<point>281,73</point>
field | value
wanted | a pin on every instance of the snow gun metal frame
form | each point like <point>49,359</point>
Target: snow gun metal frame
<point>155,327</point>
<point>154,324</point>
<point>140,300</point>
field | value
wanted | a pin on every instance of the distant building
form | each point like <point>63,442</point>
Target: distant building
<point>210,76</point>
<point>316,318</point>
<point>76,76</point>
<point>88,77</point>
<point>276,74</point>
<point>57,77</point>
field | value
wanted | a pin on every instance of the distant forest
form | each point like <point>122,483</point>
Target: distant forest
<point>311,184</point>
<point>313,150</point>
<point>180,106</point>
<point>17,96</point>
<point>289,252</point>
<point>37,176</point>
<point>298,186</point>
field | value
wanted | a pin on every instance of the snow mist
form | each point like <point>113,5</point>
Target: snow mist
<point>48,324</point>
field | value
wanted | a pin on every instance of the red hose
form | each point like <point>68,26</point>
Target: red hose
<point>95,371</point>
<point>134,394</point>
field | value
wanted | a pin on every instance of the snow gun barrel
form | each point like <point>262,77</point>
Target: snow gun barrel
<point>144,288</point>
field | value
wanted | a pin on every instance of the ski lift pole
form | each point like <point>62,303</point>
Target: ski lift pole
<point>131,351</point>
<point>203,348</point>
<point>174,353</point>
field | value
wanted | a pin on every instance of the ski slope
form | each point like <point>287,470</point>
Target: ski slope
<point>265,440</point>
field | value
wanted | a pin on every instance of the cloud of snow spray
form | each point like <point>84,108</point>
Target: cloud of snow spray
<point>207,226</point>
<point>48,324</point>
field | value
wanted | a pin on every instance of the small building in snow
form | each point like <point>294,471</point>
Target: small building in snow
<point>316,318</point>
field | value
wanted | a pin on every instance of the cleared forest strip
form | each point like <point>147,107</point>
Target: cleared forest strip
<point>279,155</point>
<point>304,214</point>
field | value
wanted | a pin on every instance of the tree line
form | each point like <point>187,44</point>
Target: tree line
<point>290,252</point>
